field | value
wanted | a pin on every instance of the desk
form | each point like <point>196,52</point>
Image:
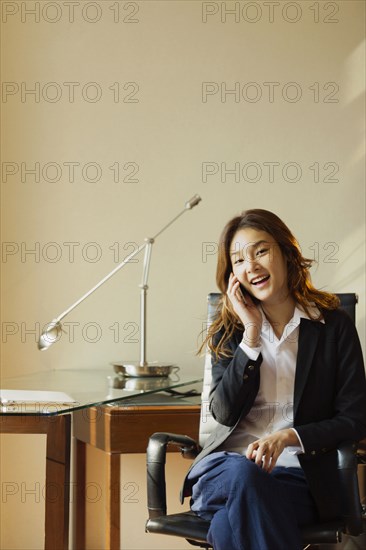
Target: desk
<point>117,430</point>
<point>90,389</point>
<point>57,430</point>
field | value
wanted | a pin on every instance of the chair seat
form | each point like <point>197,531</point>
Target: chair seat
<point>190,526</point>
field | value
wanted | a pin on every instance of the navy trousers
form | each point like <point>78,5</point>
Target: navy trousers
<point>249,508</point>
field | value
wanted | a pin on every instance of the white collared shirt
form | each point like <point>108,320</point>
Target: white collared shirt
<point>273,407</point>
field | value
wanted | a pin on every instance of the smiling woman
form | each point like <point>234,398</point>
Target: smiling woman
<point>288,386</point>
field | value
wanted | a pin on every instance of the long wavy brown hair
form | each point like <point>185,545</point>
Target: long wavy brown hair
<point>299,279</point>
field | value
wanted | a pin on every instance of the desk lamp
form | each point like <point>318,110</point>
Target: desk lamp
<point>53,330</point>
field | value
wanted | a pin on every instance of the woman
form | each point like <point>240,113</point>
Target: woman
<point>288,385</point>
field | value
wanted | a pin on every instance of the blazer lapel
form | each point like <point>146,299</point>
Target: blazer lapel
<point>309,332</point>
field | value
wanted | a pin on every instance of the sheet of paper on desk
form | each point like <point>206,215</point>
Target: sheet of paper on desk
<point>30,396</point>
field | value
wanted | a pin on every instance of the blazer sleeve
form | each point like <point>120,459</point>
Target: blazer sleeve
<point>235,382</point>
<point>347,378</point>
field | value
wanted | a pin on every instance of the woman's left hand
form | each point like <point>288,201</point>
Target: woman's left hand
<point>265,451</point>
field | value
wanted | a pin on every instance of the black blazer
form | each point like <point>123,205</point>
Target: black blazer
<point>329,399</point>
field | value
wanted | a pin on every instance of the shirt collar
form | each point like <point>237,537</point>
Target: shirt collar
<point>312,309</point>
<point>294,322</point>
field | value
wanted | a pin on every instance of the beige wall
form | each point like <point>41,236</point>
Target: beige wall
<point>174,130</point>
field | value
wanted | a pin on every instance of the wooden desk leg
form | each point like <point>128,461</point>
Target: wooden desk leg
<point>57,483</point>
<point>113,496</point>
<point>79,511</point>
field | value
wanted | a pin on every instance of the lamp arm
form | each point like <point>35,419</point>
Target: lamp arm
<point>188,206</point>
<point>145,274</point>
<point>143,300</point>
<point>168,224</point>
<point>101,282</point>
<point>147,259</point>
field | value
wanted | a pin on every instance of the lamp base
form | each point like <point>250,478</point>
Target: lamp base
<point>139,384</point>
<point>151,369</point>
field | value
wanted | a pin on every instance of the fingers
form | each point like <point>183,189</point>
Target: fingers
<point>234,290</point>
<point>272,461</point>
<point>233,281</point>
<point>248,313</point>
<point>264,454</point>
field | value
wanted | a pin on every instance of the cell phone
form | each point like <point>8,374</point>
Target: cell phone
<point>241,294</point>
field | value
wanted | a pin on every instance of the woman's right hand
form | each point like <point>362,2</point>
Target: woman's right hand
<point>248,312</point>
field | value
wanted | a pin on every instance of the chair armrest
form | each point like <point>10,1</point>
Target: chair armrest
<point>350,497</point>
<point>155,461</point>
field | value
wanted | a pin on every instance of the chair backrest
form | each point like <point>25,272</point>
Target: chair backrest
<point>207,422</point>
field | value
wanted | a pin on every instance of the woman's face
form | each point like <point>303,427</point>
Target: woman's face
<point>258,263</point>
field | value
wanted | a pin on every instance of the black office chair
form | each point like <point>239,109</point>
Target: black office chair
<point>191,527</point>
